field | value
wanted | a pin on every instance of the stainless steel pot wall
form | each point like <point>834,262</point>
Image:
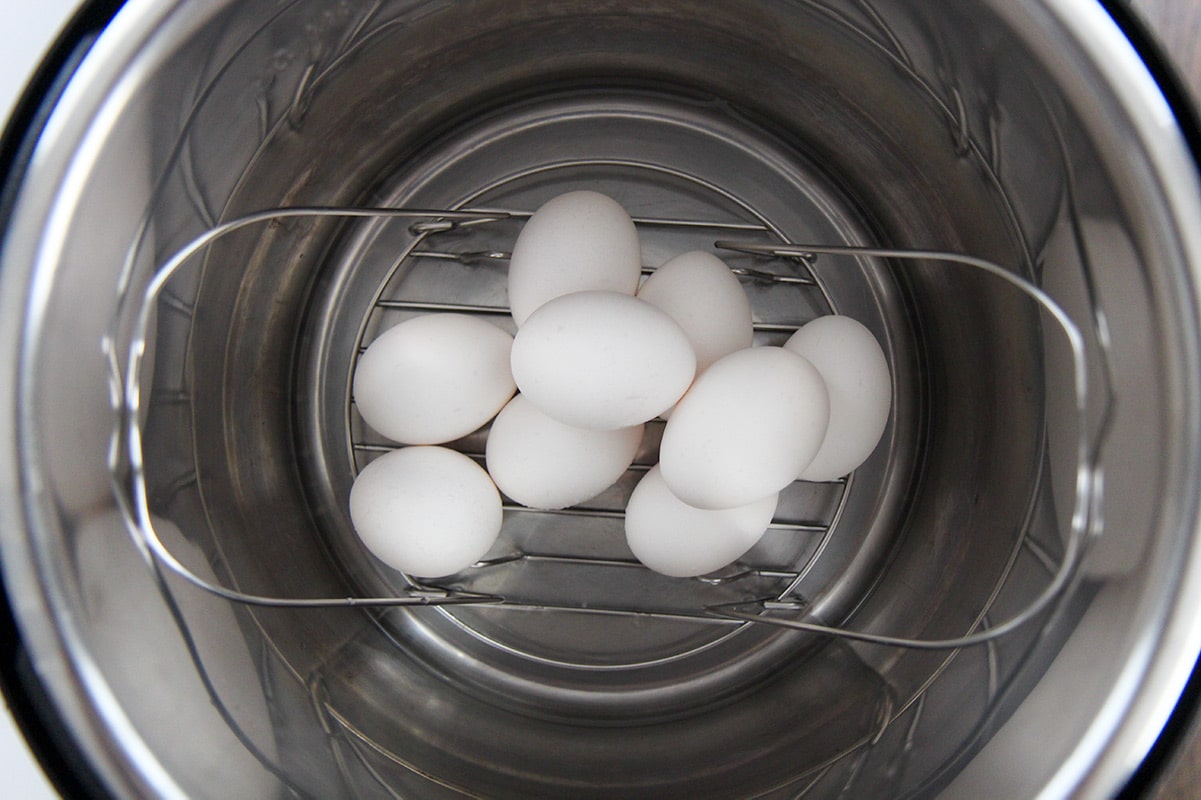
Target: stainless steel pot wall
<point>1027,133</point>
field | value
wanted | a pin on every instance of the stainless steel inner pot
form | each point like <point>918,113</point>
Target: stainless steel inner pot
<point>1027,133</point>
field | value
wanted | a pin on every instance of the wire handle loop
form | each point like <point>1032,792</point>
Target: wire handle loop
<point>128,432</point>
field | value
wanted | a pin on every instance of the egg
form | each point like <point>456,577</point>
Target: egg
<point>676,539</point>
<point>434,378</point>
<point>542,463</point>
<point>426,511</point>
<point>853,366</point>
<point>706,300</point>
<point>578,241</point>
<point>601,360</point>
<point>748,426</point>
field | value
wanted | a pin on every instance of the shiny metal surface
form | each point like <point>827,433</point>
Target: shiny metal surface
<point>1025,133</point>
<point>1175,27</point>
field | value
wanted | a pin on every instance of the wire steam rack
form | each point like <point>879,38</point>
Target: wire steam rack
<point>128,468</point>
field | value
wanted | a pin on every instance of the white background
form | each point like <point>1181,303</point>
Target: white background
<point>27,28</point>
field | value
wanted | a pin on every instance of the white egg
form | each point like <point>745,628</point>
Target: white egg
<point>746,428</point>
<point>853,366</point>
<point>700,293</point>
<point>676,539</point>
<point>542,463</point>
<point>427,511</point>
<point>434,378</point>
<point>601,360</point>
<point>578,241</point>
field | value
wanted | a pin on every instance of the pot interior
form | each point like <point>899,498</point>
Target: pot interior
<point>888,124</point>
